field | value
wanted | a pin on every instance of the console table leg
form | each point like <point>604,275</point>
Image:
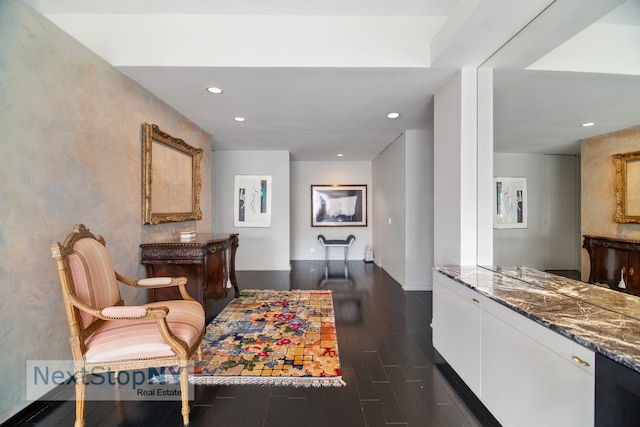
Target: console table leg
<point>233,245</point>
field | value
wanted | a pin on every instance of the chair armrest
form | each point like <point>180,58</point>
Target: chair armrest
<point>158,282</point>
<point>165,282</point>
<point>161,282</point>
<point>123,312</point>
<point>152,282</point>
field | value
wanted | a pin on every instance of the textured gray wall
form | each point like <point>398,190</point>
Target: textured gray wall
<point>70,152</point>
<point>598,196</point>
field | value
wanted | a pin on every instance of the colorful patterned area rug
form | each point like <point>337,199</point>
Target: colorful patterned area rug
<point>272,338</point>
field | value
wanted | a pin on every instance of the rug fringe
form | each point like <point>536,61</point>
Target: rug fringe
<point>263,381</point>
<point>269,381</point>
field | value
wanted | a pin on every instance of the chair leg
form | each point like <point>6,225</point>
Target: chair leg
<point>80,391</point>
<point>184,390</point>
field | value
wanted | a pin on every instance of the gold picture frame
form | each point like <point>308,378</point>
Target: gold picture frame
<point>627,187</point>
<point>171,178</point>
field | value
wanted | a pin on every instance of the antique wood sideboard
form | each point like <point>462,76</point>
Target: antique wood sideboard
<point>610,259</point>
<point>208,263</point>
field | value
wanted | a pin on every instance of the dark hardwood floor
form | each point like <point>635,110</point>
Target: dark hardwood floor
<point>387,359</point>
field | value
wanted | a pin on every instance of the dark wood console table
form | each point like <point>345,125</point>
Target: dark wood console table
<point>609,257</point>
<point>208,263</point>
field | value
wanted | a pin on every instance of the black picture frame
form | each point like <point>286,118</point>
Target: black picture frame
<point>339,205</point>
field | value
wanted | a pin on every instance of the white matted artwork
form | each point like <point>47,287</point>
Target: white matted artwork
<point>510,202</point>
<point>252,201</point>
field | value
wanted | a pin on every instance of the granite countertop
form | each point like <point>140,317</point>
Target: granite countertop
<point>604,320</point>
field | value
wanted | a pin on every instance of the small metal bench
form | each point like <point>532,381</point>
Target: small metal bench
<point>336,243</point>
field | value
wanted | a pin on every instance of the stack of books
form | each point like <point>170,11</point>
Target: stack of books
<point>187,236</point>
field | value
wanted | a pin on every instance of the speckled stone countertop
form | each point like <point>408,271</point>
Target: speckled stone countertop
<point>604,320</point>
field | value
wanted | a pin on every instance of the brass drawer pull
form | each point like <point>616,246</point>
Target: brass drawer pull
<point>475,300</point>
<point>580,361</point>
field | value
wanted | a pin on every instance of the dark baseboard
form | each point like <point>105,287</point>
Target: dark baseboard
<point>31,411</point>
<point>468,397</point>
<point>48,402</point>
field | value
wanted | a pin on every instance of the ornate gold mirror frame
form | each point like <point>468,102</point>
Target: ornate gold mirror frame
<point>627,187</point>
<point>171,178</point>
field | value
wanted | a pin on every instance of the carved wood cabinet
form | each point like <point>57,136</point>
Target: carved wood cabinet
<point>610,259</point>
<point>208,263</point>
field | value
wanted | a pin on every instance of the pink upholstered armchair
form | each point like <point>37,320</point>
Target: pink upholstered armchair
<point>106,335</point>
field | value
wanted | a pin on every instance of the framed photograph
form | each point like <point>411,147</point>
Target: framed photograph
<point>510,202</point>
<point>338,205</point>
<point>252,201</point>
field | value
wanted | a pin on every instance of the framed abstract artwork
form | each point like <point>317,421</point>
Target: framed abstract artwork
<point>510,202</point>
<point>252,201</point>
<point>338,205</point>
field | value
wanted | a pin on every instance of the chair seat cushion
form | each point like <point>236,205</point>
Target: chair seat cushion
<point>141,339</point>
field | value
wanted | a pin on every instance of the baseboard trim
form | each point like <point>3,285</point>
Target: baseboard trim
<point>46,402</point>
<point>263,267</point>
<point>418,287</point>
<point>484,416</point>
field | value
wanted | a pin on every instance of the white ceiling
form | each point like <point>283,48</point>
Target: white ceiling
<point>250,7</point>
<point>589,73</point>
<point>318,78</point>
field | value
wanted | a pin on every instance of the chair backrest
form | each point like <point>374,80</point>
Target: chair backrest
<point>93,275</point>
<point>86,273</point>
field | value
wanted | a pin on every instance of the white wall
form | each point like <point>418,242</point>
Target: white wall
<point>455,171</point>
<point>485,166</point>
<point>259,248</point>
<point>390,249</point>
<point>71,152</point>
<point>551,239</point>
<point>403,233</point>
<point>419,210</point>
<point>304,238</point>
<point>564,244</point>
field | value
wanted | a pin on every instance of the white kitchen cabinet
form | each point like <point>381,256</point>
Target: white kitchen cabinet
<point>524,373</point>
<point>529,374</point>
<point>456,328</point>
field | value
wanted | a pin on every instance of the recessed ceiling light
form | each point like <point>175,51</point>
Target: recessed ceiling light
<point>213,89</point>
<point>239,119</point>
<point>393,115</point>
<point>340,155</point>
<point>585,125</point>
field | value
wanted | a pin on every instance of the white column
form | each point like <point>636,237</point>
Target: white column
<point>455,171</point>
<point>485,166</point>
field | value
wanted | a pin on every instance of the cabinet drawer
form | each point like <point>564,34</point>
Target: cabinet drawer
<point>526,384</point>
<point>456,329</point>
<point>584,358</point>
<point>459,289</point>
<point>552,340</point>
